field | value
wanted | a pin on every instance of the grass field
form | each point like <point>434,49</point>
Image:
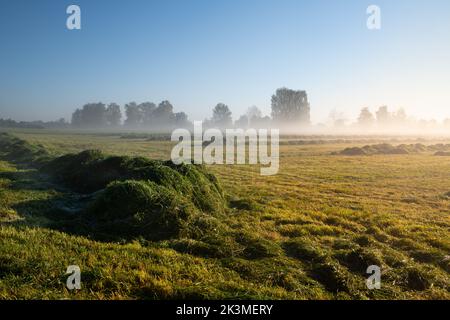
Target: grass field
<point>309,232</point>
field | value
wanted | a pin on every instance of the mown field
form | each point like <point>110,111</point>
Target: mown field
<point>309,232</point>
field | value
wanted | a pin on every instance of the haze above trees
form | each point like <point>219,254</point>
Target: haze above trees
<point>289,107</point>
<point>290,112</point>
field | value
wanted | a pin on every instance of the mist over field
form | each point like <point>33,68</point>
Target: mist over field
<point>290,113</point>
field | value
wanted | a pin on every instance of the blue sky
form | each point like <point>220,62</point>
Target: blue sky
<point>197,53</point>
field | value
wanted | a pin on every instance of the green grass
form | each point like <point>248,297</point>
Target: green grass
<point>307,233</point>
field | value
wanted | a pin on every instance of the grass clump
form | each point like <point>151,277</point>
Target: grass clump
<point>417,279</point>
<point>304,250</point>
<point>194,247</point>
<point>130,209</point>
<point>21,151</point>
<point>386,149</point>
<point>255,247</point>
<point>332,276</point>
<point>91,171</point>
<point>244,204</point>
<point>383,148</point>
<point>442,154</point>
<point>358,260</point>
<point>133,197</point>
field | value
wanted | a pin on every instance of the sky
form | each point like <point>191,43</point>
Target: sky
<point>197,53</point>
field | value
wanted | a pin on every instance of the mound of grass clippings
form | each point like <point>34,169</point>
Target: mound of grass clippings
<point>243,204</point>
<point>442,154</point>
<point>305,250</point>
<point>386,149</point>
<point>130,209</point>
<point>91,171</point>
<point>417,279</point>
<point>257,248</point>
<point>21,151</point>
<point>358,260</point>
<point>383,148</point>
<point>142,198</point>
<point>133,197</point>
<point>332,275</point>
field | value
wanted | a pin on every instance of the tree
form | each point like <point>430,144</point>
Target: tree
<point>290,106</point>
<point>338,119</point>
<point>222,116</point>
<point>242,122</point>
<point>163,115</point>
<point>400,117</point>
<point>181,120</point>
<point>383,116</point>
<point>113,115</point>
<point>366,118</point>
<point>134,115</point>
<point>77,119</point>
<point>92,115</point>
<point>254,113</point>
<point>401,114</point>
<point>263,122</point>
<point>147,109</point>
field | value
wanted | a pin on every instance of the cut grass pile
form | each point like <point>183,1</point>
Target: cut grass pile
<point>442,154</point>
<point>386,149</point>
<point>91,171</point>
<point>21,151</point>
<point>134,197</point>
<point>132,209</point>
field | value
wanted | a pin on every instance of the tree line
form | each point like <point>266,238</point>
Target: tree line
<point>288,106</point>
<point>59,124</point>
<point>147,114</point>
<point>383,119</point>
